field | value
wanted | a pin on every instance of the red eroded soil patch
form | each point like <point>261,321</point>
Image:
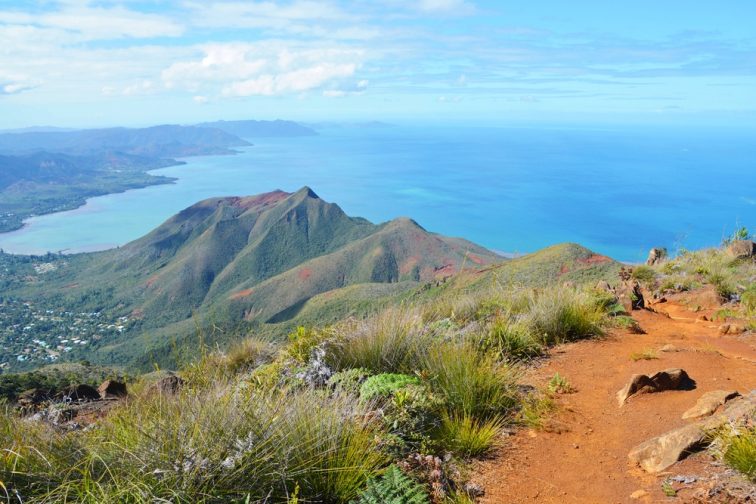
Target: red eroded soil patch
<point>304,273</point>
<point>241,294</point>
<point>151,281</point>
<point>594,259</point>
<point>475,259</point>
<point>582,457</point>
<point>444,271</point>
<point>564,269</point>
<point>261,200</point>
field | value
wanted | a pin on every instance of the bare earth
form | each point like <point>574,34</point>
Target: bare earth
<point>582,456</point>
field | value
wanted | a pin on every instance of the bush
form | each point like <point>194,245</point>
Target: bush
<point>466,436</point>
<point>741,453</point>
<point>394,487</point>
<point>748,299</point>
<point>384,385</point>
<point>349,380</point>
<point>392,342</point>
<point>471,383</point>
<point>644,274</point>
<point>512,340</point>
<point>561,314</point>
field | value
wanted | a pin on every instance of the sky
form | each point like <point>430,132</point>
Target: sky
<point>87,63</point>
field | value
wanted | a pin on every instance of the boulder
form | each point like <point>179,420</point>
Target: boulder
<point>604,286</point>
<point>168,385</point>
<point>709,402</point>
<point>659,453</point>
<point>34,397</point>
<point>742,249</point>
<point>656,256</point>
<point>76,393</point>
<point>630,296</point>
<point>112,389</point>
<point>669,379</point>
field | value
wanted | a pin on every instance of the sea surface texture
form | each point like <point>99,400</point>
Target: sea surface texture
<point>618,191</point>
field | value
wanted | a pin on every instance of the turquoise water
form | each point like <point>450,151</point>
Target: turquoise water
<point>618,191</point>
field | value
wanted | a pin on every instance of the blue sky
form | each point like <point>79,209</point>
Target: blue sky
<point>138,62</point>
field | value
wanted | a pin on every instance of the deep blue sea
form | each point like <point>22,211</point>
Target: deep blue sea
<point>616,190</point>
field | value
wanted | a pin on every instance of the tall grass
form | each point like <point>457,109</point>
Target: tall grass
<point>563,314</point>
<point>472,383</point>
<point>392,342</point>
<point>218,445</point>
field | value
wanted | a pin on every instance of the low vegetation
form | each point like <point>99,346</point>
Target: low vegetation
<point>332,415</point>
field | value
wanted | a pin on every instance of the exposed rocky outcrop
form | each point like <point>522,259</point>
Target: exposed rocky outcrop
<point>77,393</point>
<point>656,256</point>
<point>659,453</point>
<point>709,403</point>
<point>742,249</point>
<point>669,379</point>
<point>168,385</point>
<point>112,389</point>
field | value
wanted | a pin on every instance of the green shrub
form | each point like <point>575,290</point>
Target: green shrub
<point>392,342</point>
<point>384,385</point>
<point>748,299</point>
<point>644,274</point>
<point>302,342</point>
<point>349,380</point>
<point>470,382</point>
<point>466,436</point>
<point>560,314</point>
<point>558,384</point>
<point>512,340</point>
<point>412,414</point>
<point>394,487</point>
<point>740,452</point>
<point>535,408</point>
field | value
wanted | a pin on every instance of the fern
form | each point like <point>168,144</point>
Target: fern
<point>394,487</point>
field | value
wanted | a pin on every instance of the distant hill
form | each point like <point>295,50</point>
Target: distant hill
<point>245,260</point>
<point>260,129</point>
<point>166,141</point>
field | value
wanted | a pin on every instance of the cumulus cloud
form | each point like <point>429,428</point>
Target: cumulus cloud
<point>266,69</point>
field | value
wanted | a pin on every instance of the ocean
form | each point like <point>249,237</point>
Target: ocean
<point>616,190</point>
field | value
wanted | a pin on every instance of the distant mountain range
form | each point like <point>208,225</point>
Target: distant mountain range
<point>261,129</point>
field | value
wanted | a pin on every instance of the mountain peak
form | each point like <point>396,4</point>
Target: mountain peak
<point>306,192</point>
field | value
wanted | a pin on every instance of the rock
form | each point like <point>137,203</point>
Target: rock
<point>659,453</point>
<point>709,402</point>
<point>604,286</point>
<point>34,397</point>
<point>473,490</point>
<point>669,348</point>
<point>630,296</point>
<point>742,249</point>
<point>638,494</point>
<point>656,256</point>
<point>736,329</point>
<point>112,388</point>
<point>724,329</point>
<point>702,318</point>
<point>168,385</point>
<point>669,379</point>
<point>81,392</point>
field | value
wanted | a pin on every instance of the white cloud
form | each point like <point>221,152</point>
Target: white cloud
<point>81,22</point>
<point>266,69</point>
<point>200,100</point>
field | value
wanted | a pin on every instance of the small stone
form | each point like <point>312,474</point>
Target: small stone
<point>638,494</point>
<point>724,329</point>
<point>736,329</point>
<point>669,348</point>
<point>702,318</point>
<point>473,490</point>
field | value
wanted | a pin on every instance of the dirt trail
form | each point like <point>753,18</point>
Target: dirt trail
<point>587,461</point>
